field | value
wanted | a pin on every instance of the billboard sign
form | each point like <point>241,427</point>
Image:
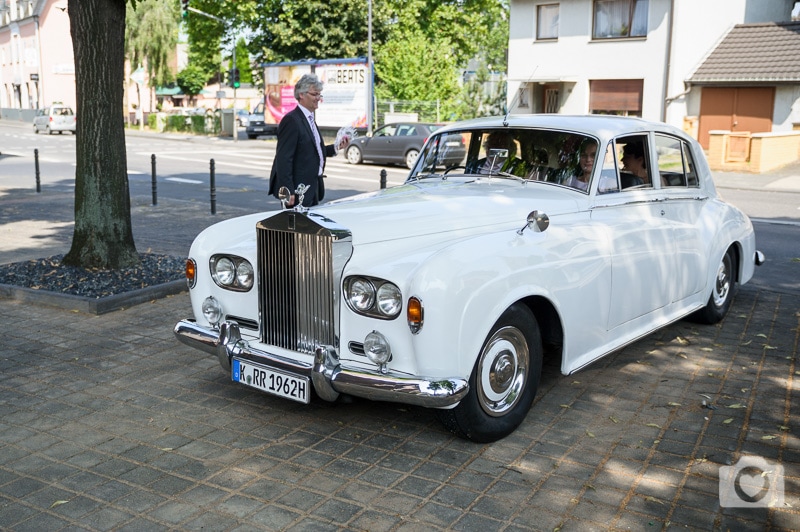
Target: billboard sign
<point>345,95</point>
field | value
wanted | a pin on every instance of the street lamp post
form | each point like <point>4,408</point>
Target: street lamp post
<point>369,68</point>
<point>194,10</point>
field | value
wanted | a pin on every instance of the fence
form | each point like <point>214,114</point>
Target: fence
<point>388,111</point>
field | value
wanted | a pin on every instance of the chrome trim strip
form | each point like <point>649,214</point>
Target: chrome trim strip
<point>326,374</point>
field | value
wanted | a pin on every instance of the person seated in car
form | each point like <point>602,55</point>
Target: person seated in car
<point>634,165</point>
<point>587,157</point>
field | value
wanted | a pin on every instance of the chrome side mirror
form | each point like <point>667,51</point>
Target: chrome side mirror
<point>536,222</point>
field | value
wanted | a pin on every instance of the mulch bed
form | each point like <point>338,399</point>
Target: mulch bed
<point>52,275</point>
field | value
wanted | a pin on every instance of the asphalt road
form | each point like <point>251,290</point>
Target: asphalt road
<point>183,168</point>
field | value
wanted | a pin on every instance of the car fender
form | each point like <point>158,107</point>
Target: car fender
<point>467,286</point>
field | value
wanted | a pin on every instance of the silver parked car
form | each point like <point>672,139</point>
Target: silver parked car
<point>55,118</point>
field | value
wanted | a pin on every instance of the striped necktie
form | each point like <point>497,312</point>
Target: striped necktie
<point>317,140</point>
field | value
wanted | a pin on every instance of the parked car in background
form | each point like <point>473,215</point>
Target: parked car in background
<point>398,143</point>
<point>451,290</point>
<point>243,117</point>
<point>55,118</point>
<point>256,124</point>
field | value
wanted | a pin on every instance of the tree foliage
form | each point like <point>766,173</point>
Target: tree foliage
<point>192,80</point>
<point>103,236</point>
<point>151,34</point>
<point>431,62</point>
<point>449,33</point>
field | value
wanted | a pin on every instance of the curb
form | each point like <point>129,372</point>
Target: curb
<point>89,305</point>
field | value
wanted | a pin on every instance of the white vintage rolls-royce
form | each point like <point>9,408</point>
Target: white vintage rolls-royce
<point>576,234</point>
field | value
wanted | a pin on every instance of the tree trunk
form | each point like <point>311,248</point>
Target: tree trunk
<point>103,235</point>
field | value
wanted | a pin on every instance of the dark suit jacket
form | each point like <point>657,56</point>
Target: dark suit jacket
<point>296,158</point>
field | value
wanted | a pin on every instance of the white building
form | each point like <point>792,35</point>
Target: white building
<point>638,58</point>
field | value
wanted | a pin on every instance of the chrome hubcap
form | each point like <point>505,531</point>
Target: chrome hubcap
<point>502,371</point>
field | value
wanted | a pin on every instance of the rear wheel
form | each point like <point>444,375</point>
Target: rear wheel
<point>411,158</point>
<point>504,380</point>
<point>353,155</point>
<point>719,302</point>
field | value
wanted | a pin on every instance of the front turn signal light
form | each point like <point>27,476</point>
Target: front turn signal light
<point>415,314</point>
<point>191,272</point>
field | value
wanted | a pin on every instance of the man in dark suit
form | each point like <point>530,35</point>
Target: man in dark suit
<point>301,153</point>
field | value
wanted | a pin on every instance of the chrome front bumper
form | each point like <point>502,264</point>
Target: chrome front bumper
<point>328,377</point>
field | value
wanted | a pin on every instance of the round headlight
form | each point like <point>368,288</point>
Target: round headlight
<point>224,271</point>
<point>244,275</point>
<point>212,310</point>
<point>390,300</point>
<point>377,349</point>
<point>361,294</point>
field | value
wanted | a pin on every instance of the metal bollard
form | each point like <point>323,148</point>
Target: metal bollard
<point>213,190</point>
<point>383,178</point>
<point>153,178</point>
<point>36,164</point>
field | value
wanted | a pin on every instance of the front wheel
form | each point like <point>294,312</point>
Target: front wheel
<point>353,155</point>
<point>504,380</point>
<point>411,158</point>
<point>719,302</point>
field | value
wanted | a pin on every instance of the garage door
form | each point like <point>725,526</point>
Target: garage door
<point>735,109</point>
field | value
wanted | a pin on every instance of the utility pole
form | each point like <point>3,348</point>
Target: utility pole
<point>369,68</point>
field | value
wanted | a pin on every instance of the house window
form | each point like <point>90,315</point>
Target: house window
<point>616,96</point>
<point>523,97</point>
<point>547,22</point>
<point>614,19</point>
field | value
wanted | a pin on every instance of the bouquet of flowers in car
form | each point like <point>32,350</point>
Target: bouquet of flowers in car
<point>344,136</point>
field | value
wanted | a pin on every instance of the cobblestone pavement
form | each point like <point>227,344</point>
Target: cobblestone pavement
<point>108,423</point>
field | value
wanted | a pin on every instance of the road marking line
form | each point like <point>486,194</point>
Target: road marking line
<point>183,180</point>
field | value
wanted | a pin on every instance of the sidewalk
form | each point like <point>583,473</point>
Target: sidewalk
<point>110,424</point>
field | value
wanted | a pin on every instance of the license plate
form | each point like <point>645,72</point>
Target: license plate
<point>271,381</point>
<point>258,129</point>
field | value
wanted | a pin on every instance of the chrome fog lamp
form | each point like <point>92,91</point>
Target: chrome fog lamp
<point>224,271</point>
<point>361,294</point>
<point>212,310</point>
<point>377,349</point>
<point>244,275</point>
<point>390,300</point>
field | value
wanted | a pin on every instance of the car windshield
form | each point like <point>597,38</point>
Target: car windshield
<point>557,157</point>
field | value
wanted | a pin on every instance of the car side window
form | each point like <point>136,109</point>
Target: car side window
<point>691,171</point>
<point>385,131</point>
<point>675,164</point>
<point>633,155</point>
<point>609,177</point>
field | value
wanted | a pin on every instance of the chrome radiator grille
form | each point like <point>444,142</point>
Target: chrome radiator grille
<point>296,280</point>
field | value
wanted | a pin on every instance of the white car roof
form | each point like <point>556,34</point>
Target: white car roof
<point>594,125</point>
